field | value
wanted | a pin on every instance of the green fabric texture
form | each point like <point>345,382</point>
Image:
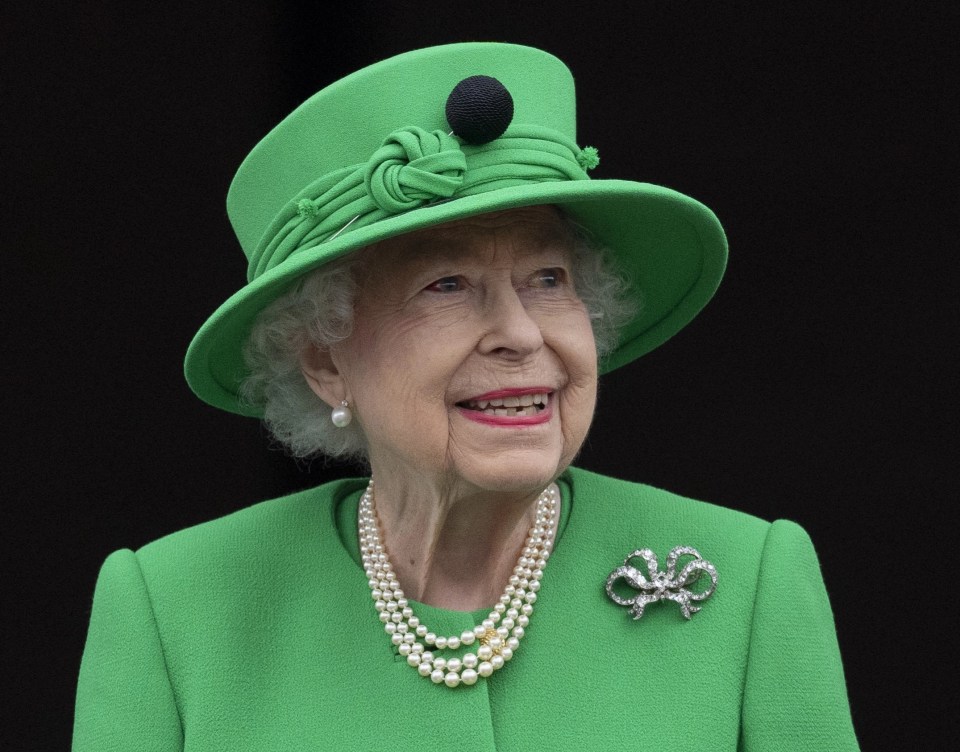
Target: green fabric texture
<point>256,632</point>
<point>370,157</point>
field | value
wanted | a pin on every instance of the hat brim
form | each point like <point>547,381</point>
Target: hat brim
<point>669,246</point>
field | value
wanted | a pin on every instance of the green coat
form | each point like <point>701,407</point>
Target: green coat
<point>256,632</point>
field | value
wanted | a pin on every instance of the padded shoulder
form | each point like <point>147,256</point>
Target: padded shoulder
<point>282,523</point>
<point>653,513</point>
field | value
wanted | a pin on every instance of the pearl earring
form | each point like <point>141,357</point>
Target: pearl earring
<point>341,416</point>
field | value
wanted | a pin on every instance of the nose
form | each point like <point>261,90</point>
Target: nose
<point>510,332</point>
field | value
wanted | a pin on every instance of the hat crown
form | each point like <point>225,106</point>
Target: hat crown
<point>346,122</point>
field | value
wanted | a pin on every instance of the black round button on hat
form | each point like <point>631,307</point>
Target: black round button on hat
<point>479,109</point>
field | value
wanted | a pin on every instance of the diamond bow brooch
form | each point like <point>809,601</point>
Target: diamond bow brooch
<point>663,586</point>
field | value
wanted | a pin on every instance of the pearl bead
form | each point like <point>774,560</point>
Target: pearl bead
<point>453,643</point>
<point>424,669</point>
<point>454,664</point>
<point>484,652</point>
<point>436,676</point>
<point>430,638</point>
<point>485,669</point>
<point>467,637</point>
<point>341,416</point>
<point>523,620</point>
<point>513,643</point>
<point>439,662</point>
<point>421,630</point>
<point>440,642</point>
<point>479,630</point>
<point>403,649</point>
<point>451,679</point>
<point>470,660</point>
<point>413,659</point>
<point>390,628</point>
<point>506,654</point>
<point>396,639</point>
<point>468,677</point>
<point>497,662</point>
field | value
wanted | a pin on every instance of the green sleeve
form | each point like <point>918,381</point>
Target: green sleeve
<point>795,697</point>
<point>124,697</point>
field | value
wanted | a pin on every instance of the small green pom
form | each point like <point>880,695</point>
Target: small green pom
<point>307,208</point>
<point>588,158</point>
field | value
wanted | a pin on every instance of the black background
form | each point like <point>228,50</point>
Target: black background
<point>817,385</point>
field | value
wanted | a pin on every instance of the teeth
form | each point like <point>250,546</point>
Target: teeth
<point>523,405</point>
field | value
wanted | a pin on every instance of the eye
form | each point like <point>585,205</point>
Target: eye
<point>446,284</point>
<point>552,277</point>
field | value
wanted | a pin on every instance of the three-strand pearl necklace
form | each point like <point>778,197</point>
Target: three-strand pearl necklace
<point>497,637</point>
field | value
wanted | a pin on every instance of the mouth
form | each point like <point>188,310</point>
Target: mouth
<point>517,403</point>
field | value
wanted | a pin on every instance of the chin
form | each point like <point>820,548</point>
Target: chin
<point>522,474</point>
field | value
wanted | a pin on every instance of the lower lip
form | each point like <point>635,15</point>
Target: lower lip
<point>504,421</point>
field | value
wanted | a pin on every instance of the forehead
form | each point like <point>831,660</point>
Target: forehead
<point>524,231</point>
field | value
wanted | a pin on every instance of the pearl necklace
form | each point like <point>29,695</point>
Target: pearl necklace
<point>497,644</point>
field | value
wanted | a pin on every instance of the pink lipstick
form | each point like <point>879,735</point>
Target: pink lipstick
<point>527,406</point>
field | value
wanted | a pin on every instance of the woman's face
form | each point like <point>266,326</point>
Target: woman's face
<point>450,318</point>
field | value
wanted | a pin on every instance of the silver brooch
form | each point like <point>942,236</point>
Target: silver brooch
<point>666,585</point>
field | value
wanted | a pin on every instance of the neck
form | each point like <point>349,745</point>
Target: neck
<point>453,550</point>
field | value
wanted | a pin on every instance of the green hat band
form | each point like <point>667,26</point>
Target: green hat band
<point>412,168</point>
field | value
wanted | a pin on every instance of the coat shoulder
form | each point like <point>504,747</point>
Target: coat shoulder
<point>661,517</point>
<point>261,532</point>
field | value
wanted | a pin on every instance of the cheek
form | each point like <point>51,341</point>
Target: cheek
<point>577,350</point>
<point>576,346</point>
<point>399,373</point>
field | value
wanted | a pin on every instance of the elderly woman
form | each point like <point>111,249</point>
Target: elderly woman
<point>434,286</point>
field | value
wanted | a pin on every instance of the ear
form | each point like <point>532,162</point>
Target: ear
<point>322,375</point>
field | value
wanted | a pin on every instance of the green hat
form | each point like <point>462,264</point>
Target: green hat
<point>372,156</point>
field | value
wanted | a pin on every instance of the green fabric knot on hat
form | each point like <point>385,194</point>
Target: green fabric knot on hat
<point>412,167</point>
